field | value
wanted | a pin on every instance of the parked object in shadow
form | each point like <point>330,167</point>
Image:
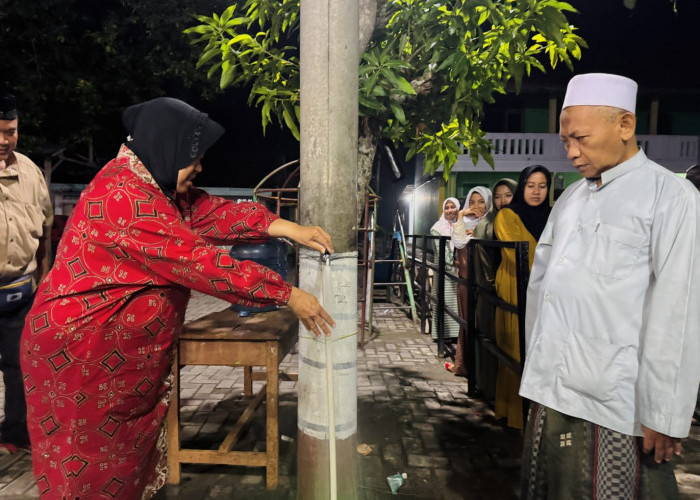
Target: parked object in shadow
<point>271,254</point>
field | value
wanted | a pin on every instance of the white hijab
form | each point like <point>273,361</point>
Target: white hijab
<point>472,222</point>
<point>443,226</point>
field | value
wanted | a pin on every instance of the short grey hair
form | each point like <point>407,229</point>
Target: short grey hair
<point>611,113</point>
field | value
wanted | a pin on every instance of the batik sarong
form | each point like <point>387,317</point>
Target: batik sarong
<point>567,458</point>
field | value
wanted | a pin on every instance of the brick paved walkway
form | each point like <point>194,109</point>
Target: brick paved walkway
<point>416,417</point>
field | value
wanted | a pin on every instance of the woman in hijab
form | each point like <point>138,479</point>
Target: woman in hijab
<point>477,213</point>
<point>444,227</point>
<point>97,346</point>
<point>503,192</point>
<point>522,220</point>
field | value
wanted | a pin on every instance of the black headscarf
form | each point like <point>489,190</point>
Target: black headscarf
<point>693,175</point>
<point>167,135</point>
<point>534,218</point>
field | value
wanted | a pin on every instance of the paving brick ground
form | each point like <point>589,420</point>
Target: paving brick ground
<point>416,417</point>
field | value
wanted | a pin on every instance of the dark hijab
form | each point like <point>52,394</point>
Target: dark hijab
<point>693,175</point>
<point>534,218</point>
<point>167,135</point>
<point>509,183</point>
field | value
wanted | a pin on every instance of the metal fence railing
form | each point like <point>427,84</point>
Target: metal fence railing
<point>423,259</point>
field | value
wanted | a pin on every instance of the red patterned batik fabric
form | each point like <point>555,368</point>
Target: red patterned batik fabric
<point>97,344</point>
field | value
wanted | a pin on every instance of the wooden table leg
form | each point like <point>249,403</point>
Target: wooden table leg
<point>248,380</point>
<point>173,425</point>
<point>272,437</point>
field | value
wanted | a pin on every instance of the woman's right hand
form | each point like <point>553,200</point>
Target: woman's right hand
<point>310,313</point>
<point>470,211</point>
<point>311,236</point>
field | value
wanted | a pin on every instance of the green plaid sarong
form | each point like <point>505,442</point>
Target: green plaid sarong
<point>567,458</point>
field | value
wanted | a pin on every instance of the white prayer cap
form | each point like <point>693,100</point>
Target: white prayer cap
<point>601,89</point>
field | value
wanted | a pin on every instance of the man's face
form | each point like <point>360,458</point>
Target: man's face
<point>8,138</point>
<point>594,138</point>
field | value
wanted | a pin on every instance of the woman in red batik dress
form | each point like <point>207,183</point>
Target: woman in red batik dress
<point>97,345</point>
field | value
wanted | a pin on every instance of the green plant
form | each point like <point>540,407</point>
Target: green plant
<point>428,69</point>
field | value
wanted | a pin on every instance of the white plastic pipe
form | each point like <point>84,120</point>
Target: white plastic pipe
<point>330,382</point>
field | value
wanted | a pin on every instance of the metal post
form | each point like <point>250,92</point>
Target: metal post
<point>364,271</point>
<point>471,320</point>
<point>329,55</point>
<point>424,285</point>
<point>441,296</point>
<point>369,296</point>
<point>412,271</point>
<point>406,275</point>
<point>522,276</point>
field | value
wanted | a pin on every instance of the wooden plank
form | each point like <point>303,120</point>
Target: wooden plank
<point>249,458</point>
<point>272,424</point>
<point>173,426</point>
<point>287,342</point>
<point>247,380</point>
<point>225,353</point>
<point>230,441</point>
<point>227,325</point>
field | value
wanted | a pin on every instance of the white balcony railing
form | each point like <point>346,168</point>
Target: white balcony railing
<point>513,152</point>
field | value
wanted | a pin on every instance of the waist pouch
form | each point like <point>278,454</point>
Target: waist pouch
<point>15,294</point>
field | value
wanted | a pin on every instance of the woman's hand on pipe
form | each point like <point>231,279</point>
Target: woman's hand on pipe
<point>310,313</point>
<point>313,237</point>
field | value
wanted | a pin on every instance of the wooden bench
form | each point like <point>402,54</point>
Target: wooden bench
<point>224,338</point>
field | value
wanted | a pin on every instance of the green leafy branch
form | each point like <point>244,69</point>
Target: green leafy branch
<point>250,49</point>
<point>429,69</point>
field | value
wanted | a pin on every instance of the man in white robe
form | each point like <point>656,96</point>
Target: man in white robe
<point>612,323</point>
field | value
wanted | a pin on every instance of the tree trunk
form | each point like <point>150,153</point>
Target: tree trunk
<point>368,16</point>
<point>366,150</point>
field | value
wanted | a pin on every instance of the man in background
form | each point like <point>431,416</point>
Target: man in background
<point>25,227</point>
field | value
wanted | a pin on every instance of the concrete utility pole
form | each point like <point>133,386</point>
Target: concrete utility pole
<point>328,198</point>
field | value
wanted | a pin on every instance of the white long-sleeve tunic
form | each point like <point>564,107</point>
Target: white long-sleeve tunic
<point>613,304</point>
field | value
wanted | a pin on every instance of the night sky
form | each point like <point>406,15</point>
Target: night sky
<point>243,156</point>
<point>650,43</point>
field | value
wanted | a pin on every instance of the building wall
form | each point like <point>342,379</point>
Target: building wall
<point>685,123</point>
<point>536,120</point>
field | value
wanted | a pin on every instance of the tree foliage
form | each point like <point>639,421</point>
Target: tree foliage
<point>74,65</point>
<point>428,70</point>
<point>259,47</point>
